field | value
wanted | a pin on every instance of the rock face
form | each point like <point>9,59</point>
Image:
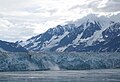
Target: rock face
<point>91,33</point>
<point>11,47</point>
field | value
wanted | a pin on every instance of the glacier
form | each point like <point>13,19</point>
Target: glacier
<point>58,61</point>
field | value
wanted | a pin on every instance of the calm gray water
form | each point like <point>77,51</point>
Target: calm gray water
<point>112,75</point>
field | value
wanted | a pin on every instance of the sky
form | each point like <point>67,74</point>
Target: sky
<point>22,19</point>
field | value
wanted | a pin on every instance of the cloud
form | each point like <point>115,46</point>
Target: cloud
<point>21,19</point>
<point>11,32</point>
<point>106,6</point>
<point>111,6</point>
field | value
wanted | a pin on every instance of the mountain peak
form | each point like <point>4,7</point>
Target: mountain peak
<point>91,33</point>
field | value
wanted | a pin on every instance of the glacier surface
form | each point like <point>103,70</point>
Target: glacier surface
<point>58,61</point>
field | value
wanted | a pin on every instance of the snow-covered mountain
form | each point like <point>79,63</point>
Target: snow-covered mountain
<point>11,47</point>
<point>91,33</point>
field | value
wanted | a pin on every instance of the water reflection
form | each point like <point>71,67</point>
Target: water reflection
<point>62,76</point>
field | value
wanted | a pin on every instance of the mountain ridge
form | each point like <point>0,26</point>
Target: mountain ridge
<point>86,34</point>
<point>11,47</point>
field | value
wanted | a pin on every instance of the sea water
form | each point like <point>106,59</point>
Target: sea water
<point>104,75</point>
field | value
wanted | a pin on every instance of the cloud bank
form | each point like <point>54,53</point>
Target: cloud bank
<point>21,19</point>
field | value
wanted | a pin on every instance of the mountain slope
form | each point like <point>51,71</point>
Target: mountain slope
<point>91,33</point>
<point>11,47</point>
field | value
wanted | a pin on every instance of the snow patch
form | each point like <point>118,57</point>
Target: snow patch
<point>54,41</point>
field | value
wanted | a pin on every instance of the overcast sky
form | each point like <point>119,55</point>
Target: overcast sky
<point>21,19</point>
